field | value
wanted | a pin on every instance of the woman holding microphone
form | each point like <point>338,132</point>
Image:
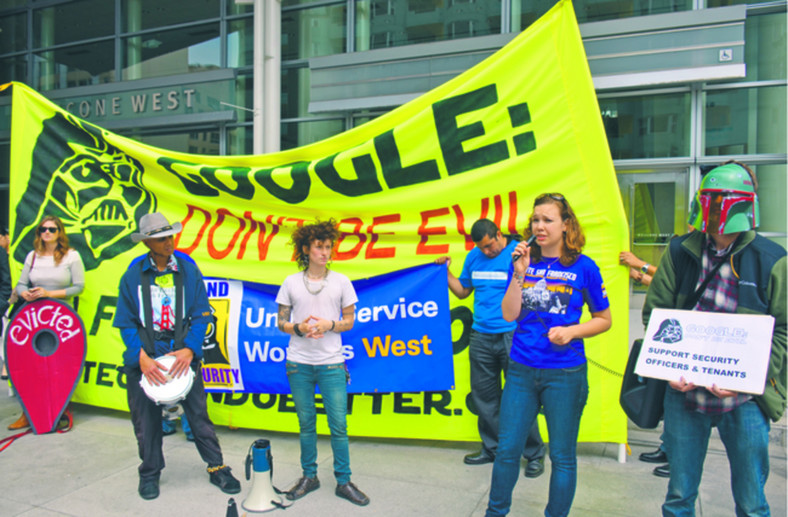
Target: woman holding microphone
<point>549,283</point>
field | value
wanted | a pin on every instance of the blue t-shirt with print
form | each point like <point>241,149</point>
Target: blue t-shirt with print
<point>489,279</point>
<point>553,296</point>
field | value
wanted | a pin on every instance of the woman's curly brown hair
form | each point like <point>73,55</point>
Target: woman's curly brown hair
<point>307,234</point>
<point>574,240</point>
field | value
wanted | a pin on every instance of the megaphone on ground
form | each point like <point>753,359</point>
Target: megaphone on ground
<point>264,496</point>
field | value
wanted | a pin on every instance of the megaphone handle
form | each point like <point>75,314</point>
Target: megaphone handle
<point>248,465</point>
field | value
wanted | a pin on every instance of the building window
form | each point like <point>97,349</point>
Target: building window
<point>79,65</point>
<point>295,92</point>
<point>317,31</point>
<point>178,51</point>
<point>240,140</point>
<point>13,33</point>
<point>240,43</point>
<point>598,10</point>
<point>526,12</point>
<point>185,141</point>
<point>73,21</point>
<point>13,69</point>
<point>244,97</point>
<point>772,193</point>
<point>745,121</point>
<point>649,126</point>
<point>652,223</point>
<point>393,23</point>
<point>297,134</point>
<point>765,47</point>
<point>147,14</point>
<point>362,117</point>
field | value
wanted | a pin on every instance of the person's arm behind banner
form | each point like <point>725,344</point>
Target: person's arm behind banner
<point>455,286</point>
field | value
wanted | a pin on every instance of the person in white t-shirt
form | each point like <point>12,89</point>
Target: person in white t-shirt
<point>315,306</point>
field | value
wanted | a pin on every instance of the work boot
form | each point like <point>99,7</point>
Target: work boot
<point>20,423</point>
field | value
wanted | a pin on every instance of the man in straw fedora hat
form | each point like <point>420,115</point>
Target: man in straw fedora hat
<point>163,310</point>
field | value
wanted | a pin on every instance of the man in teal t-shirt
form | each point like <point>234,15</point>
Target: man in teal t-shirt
<point>486,271</point>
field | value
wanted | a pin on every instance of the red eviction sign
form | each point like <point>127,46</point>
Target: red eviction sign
<point>45,350</point>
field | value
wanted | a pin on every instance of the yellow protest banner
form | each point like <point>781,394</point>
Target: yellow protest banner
<point>405,188</point>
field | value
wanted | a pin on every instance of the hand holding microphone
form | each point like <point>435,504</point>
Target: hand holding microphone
<point>528,243</point>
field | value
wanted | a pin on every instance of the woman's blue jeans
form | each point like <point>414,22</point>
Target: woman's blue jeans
<point>332,381</point>
<point>562,392</point>
<point>745,434</point>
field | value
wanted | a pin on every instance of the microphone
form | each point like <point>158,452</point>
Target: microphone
<point>528,243</point>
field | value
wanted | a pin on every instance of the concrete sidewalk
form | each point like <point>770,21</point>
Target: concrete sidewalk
<point>92,471</point>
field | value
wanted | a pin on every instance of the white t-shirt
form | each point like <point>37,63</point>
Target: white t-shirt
<point>327,304</point>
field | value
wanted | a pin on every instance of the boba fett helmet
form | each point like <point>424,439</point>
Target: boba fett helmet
<point>729,191</point>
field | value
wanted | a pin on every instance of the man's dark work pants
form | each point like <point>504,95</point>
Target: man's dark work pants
<point>489,357</point>
<point>146,417</point>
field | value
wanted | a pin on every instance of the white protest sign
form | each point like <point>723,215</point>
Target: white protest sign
<point>730,351</point>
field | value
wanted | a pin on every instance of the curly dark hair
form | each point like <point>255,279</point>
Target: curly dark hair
<point>574,239</point>
<point>303,237</point>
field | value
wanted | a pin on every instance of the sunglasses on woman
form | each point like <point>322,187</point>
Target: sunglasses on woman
<point>44,229</point>
<point>554,197</point>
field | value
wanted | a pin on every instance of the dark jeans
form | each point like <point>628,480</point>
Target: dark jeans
<point>489,357</point>
<point>146,417</point>
<point>563,393</point>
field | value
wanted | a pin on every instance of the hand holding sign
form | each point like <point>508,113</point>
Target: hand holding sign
<point>682,385</point>
<point>726,353</point>
<point>721,393</point>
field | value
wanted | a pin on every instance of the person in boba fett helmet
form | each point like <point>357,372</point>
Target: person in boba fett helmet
<point>726,201</point>
<point>723,267</point>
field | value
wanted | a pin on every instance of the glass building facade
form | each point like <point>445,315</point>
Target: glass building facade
<point>82,54</point>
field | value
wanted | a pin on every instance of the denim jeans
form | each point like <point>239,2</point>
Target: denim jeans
<point>745,434</point>
<point>169,426</point>
<point>489,357</point>
<point>332,381</point>
<point>562,392</point>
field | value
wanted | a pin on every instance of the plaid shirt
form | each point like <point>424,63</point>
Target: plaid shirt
<point>721,295</point>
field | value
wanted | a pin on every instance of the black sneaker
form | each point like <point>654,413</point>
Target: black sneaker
<point>149,488</point>
<point>222,478</point>
<point>350,492</point>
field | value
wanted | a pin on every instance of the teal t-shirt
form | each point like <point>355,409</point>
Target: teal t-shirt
<point>489,278</point>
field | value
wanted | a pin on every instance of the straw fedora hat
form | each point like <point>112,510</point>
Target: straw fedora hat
<point>155,225</point>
